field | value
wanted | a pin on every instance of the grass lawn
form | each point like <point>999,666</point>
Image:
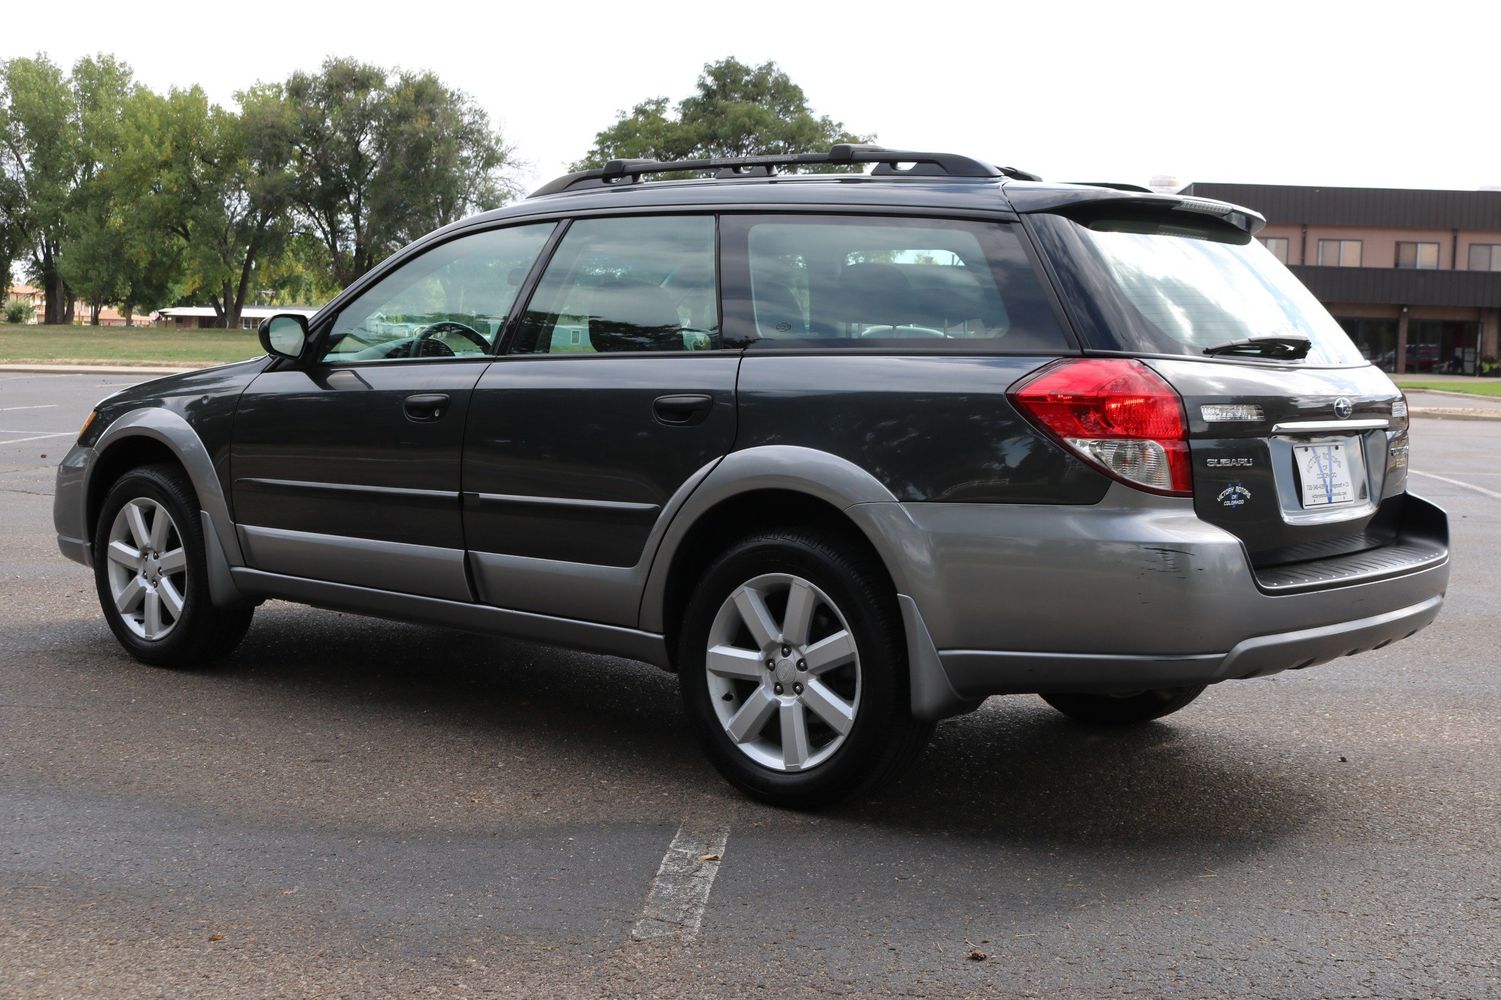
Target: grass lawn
<point>113,345</point>
<point>1474,387</point>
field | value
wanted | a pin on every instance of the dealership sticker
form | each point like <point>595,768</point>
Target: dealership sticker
<point>1234,495</point>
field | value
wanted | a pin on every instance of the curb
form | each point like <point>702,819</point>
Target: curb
<point>92,369</point>
<point>1449,392</point>
<point>1453,413</point>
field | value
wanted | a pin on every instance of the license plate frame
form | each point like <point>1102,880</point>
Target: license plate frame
<point>1325,473</point>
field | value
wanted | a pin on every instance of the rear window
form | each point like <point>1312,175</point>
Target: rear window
<point>1154,285</point>
<point>821,282</point>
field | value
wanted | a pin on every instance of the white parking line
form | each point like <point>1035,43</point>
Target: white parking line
<point>34,437</point>
<point>1462,472</point>
<point>1458,482</point>
<point>38,406</point>
<point>679,894</point>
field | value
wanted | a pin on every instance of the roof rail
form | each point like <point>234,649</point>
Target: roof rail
<point>887,161</point>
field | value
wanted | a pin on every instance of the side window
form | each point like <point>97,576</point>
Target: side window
<point>921,284</point>
<point>449,302</point>
<point>627,284</point>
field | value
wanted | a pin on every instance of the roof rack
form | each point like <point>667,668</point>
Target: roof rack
<point>887,161</point>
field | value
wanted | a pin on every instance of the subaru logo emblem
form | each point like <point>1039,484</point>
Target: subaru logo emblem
<point>1343,407</point>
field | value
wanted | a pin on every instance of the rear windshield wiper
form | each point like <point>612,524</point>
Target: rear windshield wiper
<point>1291,347</point>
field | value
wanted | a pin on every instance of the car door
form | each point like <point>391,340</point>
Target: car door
<point>346,469</point>
<point>614,395</point>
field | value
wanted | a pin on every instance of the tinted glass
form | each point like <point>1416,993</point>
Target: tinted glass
<point>1155,285</point>
<point>909,284</point>
<point>627,284</point>
<point>450,302</point>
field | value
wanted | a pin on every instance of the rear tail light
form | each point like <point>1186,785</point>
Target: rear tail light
<point>1116,414</point>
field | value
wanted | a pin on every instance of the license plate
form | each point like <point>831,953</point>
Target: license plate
<point>1324,472</point>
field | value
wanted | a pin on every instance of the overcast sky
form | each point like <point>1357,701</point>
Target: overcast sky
<point>1360,94</point>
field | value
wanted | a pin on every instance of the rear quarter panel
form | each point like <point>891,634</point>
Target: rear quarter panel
<point>928,428</point>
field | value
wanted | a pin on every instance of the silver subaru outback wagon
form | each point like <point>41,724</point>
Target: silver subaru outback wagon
<point>849,452</point>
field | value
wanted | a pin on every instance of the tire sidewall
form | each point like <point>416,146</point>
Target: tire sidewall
<point>162,486</point>
<point>883,668</point>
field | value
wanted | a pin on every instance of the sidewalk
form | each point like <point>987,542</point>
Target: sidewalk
<point>1453,406</point>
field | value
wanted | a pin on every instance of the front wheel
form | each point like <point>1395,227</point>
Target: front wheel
<point>1123,709</point>
<point>793,670</point>
<point>151,574</point>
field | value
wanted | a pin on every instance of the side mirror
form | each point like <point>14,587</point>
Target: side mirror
<point>284,335</point>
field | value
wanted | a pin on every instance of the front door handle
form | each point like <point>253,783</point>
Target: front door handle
<point>682,410</point>
<point>426,406</point>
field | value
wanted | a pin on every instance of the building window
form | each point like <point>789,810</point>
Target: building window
<point>1339,253</point>
<point>1277,245</point>
<point>1419,256</point>
<point>1485,256</point>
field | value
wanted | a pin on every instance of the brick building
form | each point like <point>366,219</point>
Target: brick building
<point>1413,276</point>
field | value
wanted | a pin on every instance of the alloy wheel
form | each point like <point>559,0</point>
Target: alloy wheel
<point>147,568</point>
<point>783,672</point>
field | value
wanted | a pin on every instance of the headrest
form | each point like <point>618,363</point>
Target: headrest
<point>873,293</point>
<point>626,315</point>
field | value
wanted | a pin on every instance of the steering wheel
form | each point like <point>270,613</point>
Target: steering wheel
<point>423,346</point>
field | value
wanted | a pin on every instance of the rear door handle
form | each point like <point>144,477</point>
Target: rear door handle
<point>682,410</point>
<point>426,406</point>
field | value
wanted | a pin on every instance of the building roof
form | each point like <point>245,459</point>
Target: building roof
<point>249,312</point>
<point>1394,208</point>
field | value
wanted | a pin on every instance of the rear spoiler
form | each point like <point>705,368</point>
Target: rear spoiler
<point>1027,198</point>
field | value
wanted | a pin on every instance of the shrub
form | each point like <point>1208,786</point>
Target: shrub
<point>18,311</point>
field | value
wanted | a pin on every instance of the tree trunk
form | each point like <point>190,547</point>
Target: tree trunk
<point>94,313</point>
<point>70,312</point>
<point>231,310</point>
<point>236,305</point>
<point>52,289</point>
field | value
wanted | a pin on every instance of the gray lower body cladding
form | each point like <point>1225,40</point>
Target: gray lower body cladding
<point>1135,592</point>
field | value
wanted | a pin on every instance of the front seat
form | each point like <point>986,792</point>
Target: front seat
<point>627,315</point>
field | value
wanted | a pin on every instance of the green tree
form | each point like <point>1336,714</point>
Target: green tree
<point>737,110</point>
<point>94,264</point>
<point>208,191</point>
<point>298,276</point>
<point>56,132</point>
<point>379,160</point>
<point>40,156</point>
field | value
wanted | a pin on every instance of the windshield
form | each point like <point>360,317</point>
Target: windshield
<point>1179,285</point>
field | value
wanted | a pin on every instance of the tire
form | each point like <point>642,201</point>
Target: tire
<point>152,577</point>
<point>849,671</point>
<point>1123,709</point>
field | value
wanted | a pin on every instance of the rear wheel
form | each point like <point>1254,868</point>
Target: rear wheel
<point>793,670</point>
<point>151,574</point>
<point>1123,709</point>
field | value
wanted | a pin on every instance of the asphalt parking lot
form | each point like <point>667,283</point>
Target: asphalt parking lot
<point>349,807</point>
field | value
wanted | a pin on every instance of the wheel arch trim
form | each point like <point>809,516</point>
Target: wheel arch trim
<point>861,499</point>
<point>177,436</point>
<point>817,474</point>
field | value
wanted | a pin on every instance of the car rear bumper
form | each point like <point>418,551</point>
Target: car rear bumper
<point>977,673</point>
<point>1136,592</point>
